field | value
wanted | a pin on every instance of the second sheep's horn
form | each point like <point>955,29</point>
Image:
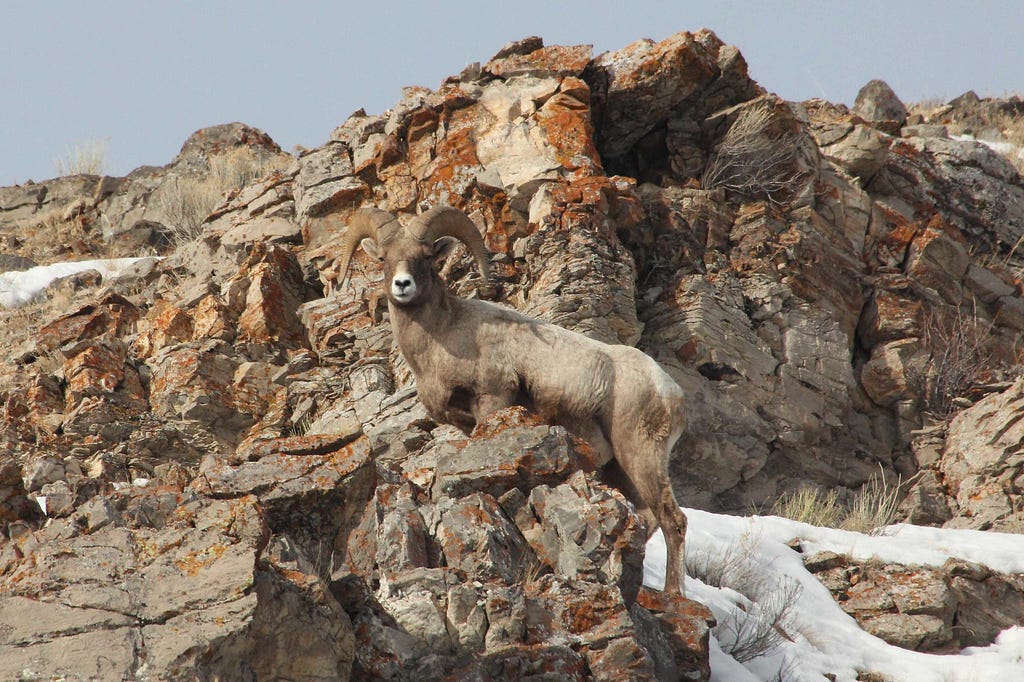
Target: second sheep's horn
<point>362,224</point>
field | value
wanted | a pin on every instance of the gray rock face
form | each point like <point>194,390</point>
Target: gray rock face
<point>861,149</point>
<point>982,464</point>
<point>971,186</point>
<point>190,599</point>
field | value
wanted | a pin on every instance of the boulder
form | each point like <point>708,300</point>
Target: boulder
<point>877,102</point>
<point>516,559</point>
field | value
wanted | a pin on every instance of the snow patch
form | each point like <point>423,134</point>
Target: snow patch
<point>825,640</point>
<point>1004,148</point>
<point>18,288</point>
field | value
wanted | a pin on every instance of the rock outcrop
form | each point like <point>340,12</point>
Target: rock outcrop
<point>223,462</point>
<point>937,610</point>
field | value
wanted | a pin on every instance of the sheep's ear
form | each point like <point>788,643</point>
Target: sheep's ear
<point>370,246</point>
<point>443,246</point>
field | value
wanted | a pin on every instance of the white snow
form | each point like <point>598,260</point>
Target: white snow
<point>1007,149</point>
<point>21,287</point>
<point>825,639</point>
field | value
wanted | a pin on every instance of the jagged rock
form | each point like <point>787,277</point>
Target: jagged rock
<point>195,381</point>
<point>585,533</point>
<point>969,185</point>
<point>886,376</point>
<point>311,490</point>
<point>14,502</point>
<point>272,283</point>
<point>10,261</point>
<point>217,139</point>
<point>975,115</point>
<point>651,99</point>
<point>112,315</point>
<point>41,471</point>
<point>56,499</point>
<point>325,180</point>
<point>555,562</point>
<point>925,503</point>
<point>23,204</point>
<point>477,521</point>
<point>581,274</point>
<point>510,450</point>
<point>541,61</point>
<point>860,149</point>
<point>981,463</point>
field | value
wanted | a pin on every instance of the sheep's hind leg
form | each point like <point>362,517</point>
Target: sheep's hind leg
<point>644,480</point>
<point>602,450</point>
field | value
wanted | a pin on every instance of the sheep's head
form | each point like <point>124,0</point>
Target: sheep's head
<point>408,252</point>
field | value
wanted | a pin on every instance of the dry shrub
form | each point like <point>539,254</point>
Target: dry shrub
<point>754,158</point>
<point>764,625</point>
<point>958,358</point>
<point>1013,131</point>
<point>188,200</point>
<point>86,158</point>
<point>728,568</point>
<point>760,625</point>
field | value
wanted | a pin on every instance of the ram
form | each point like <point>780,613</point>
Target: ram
<point>472,358</point>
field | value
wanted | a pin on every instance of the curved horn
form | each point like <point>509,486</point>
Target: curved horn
<point>445,221</point>
<point>361,224</point>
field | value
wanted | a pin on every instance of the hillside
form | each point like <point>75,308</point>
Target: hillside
<point>214,464</point>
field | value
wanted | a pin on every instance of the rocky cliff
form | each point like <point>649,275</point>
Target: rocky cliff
<point>217,468</point>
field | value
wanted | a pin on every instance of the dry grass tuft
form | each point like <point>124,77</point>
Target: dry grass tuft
<point>810,505</point>
<point>872,507</point>
<point>87,158</point>
<point>187,201</point>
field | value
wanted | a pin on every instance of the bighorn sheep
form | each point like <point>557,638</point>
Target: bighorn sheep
<point>472,358</point>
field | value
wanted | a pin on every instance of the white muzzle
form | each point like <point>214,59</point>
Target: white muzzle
<point>403,286</point>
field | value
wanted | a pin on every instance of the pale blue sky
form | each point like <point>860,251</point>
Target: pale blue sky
<point>144,75</point>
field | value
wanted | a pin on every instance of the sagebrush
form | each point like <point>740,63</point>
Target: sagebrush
<point>754,159</point>
<point>761,621</point>
<point>958,357</point>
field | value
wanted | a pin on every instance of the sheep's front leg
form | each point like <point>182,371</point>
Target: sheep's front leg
<point>448,406</point>
<point>489,403</point>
